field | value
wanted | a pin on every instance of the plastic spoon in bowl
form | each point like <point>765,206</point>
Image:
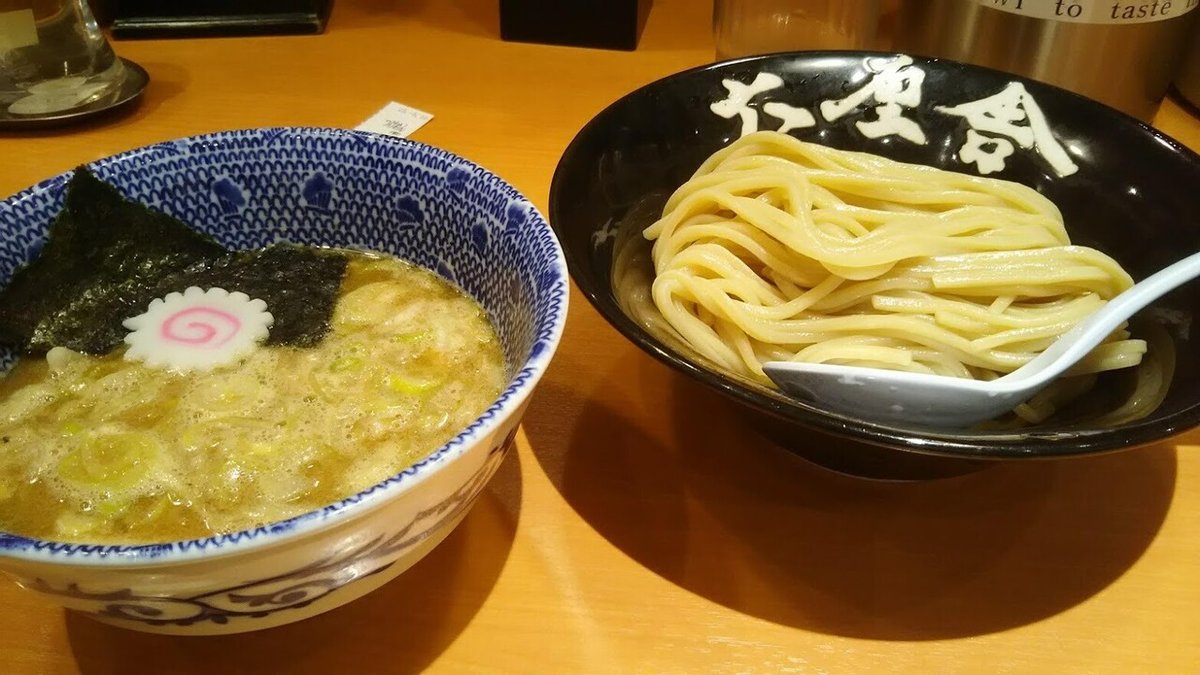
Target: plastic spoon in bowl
<point>946,402</point>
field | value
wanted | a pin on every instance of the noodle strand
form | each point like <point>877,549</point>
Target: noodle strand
<point>778,248</point>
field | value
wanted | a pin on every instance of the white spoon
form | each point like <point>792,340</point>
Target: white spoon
<point>951,402</point>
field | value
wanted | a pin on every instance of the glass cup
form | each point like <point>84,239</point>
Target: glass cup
<point>744,27</point>
<point>53,57</point>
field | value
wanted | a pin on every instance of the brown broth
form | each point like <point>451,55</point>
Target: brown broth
<point>106,450</point>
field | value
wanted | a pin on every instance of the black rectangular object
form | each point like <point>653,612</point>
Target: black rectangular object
<point>199,18</point>
<point>607,24</point>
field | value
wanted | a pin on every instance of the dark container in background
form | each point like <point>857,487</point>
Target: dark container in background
<point>1187,80</point>
<point>201,18</point>
<point>605,24</point>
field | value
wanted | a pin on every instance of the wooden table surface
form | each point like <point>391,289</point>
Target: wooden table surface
<point>642,527</point>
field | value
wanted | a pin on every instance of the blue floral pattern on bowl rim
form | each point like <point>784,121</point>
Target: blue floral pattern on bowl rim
<point>326,186</point>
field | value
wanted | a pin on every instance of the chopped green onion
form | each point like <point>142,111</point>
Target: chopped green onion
<point>77,525</point>
<point>402,385</point>
<point>114,461</point>
<point>346,363</point>
<point>410,337</point>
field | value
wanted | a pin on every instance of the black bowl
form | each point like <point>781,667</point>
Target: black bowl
<point>1123,188</point>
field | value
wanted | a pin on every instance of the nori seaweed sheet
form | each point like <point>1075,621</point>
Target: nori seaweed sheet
<point>107,257</point>
<point>300,285</point>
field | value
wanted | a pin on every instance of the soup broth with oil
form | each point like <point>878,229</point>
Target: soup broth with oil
<point>107,450</point>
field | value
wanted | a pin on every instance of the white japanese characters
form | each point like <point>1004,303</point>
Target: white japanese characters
<point>986,153</point>
<point>998,116</point>
<point>997,125</point>
<point>895,85</point>
<point>737,104</point>
<point>793,118</point>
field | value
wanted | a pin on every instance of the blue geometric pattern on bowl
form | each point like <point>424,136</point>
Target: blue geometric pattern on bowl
<point>331,187</point>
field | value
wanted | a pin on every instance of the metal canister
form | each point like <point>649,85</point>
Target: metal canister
<point>1187,80</point>
<point>1119,52</point>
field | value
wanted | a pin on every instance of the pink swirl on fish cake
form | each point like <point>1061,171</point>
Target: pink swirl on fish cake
<point>200,332</point>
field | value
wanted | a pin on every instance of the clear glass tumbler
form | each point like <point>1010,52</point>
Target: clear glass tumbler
<point>53,57</point>
<point>744,27</point>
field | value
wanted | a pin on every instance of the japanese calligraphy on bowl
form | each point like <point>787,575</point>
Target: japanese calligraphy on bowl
<point>996,125</point>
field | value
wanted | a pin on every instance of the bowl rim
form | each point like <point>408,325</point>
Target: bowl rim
<point>984,446</point>
<point>548,329</point>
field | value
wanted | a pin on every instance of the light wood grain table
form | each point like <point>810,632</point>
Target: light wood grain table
<point>641,527</point>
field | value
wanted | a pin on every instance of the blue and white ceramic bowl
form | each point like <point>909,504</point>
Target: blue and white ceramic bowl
<point>333,188</point>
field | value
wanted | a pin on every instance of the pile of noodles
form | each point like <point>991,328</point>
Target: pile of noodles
<point>778,249</point>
